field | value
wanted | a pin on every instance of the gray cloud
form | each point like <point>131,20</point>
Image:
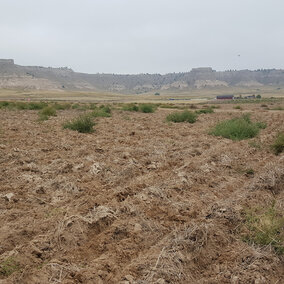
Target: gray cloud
<point>149,36</point>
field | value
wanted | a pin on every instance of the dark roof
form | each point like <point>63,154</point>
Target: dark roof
<point>225,96</point>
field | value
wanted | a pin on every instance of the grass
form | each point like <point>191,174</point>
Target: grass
<point>185,116</point>
<point>237,128</point>
<point>237,107</point>
<point>265,228</point>
<point>82,124</point>
<point>46,112</point>
<point>9,266</point>
<point>278,145</point>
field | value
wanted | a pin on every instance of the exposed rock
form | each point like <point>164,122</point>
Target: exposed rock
<point>9,196</point>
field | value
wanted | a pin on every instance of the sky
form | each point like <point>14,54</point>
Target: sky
<point>143,36</point>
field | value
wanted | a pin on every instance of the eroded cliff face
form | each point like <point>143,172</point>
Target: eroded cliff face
<point>35,77</point>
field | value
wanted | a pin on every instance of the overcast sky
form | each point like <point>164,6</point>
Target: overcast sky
<point>143,36</point>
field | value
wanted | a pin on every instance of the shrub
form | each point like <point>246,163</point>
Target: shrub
<point>265,228</point>
<point>237,107</point>
<point>147,108</point>
<point>278,145</point>
<point>185,116</point>
<point>130,107</point>
<point>237,128</point>
<point>82,124</point>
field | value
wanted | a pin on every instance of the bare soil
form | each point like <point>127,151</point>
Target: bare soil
<point>139,200</point>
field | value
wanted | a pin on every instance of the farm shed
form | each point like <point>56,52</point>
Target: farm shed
<point>225,97</point>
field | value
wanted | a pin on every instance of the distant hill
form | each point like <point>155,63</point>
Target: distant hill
<point>47,78</point>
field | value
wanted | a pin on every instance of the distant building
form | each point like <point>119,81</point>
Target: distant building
<point>225,97</point>
<point>250,97</point>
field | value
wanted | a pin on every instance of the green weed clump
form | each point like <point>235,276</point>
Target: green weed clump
<point>237,128</point>
<point>185,116</point>
<point>237,107</point>
<point>147,108</point>
<point>8,266</point>
<point>278,145</point>
<point>265,228</point>
<point>102,111</point>
<point>46,112</point>
<point>82,124</point>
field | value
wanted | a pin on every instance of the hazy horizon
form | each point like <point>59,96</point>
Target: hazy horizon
<point>135,37</point>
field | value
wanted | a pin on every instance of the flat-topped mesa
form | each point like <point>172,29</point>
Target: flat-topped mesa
<point>6,62</point>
